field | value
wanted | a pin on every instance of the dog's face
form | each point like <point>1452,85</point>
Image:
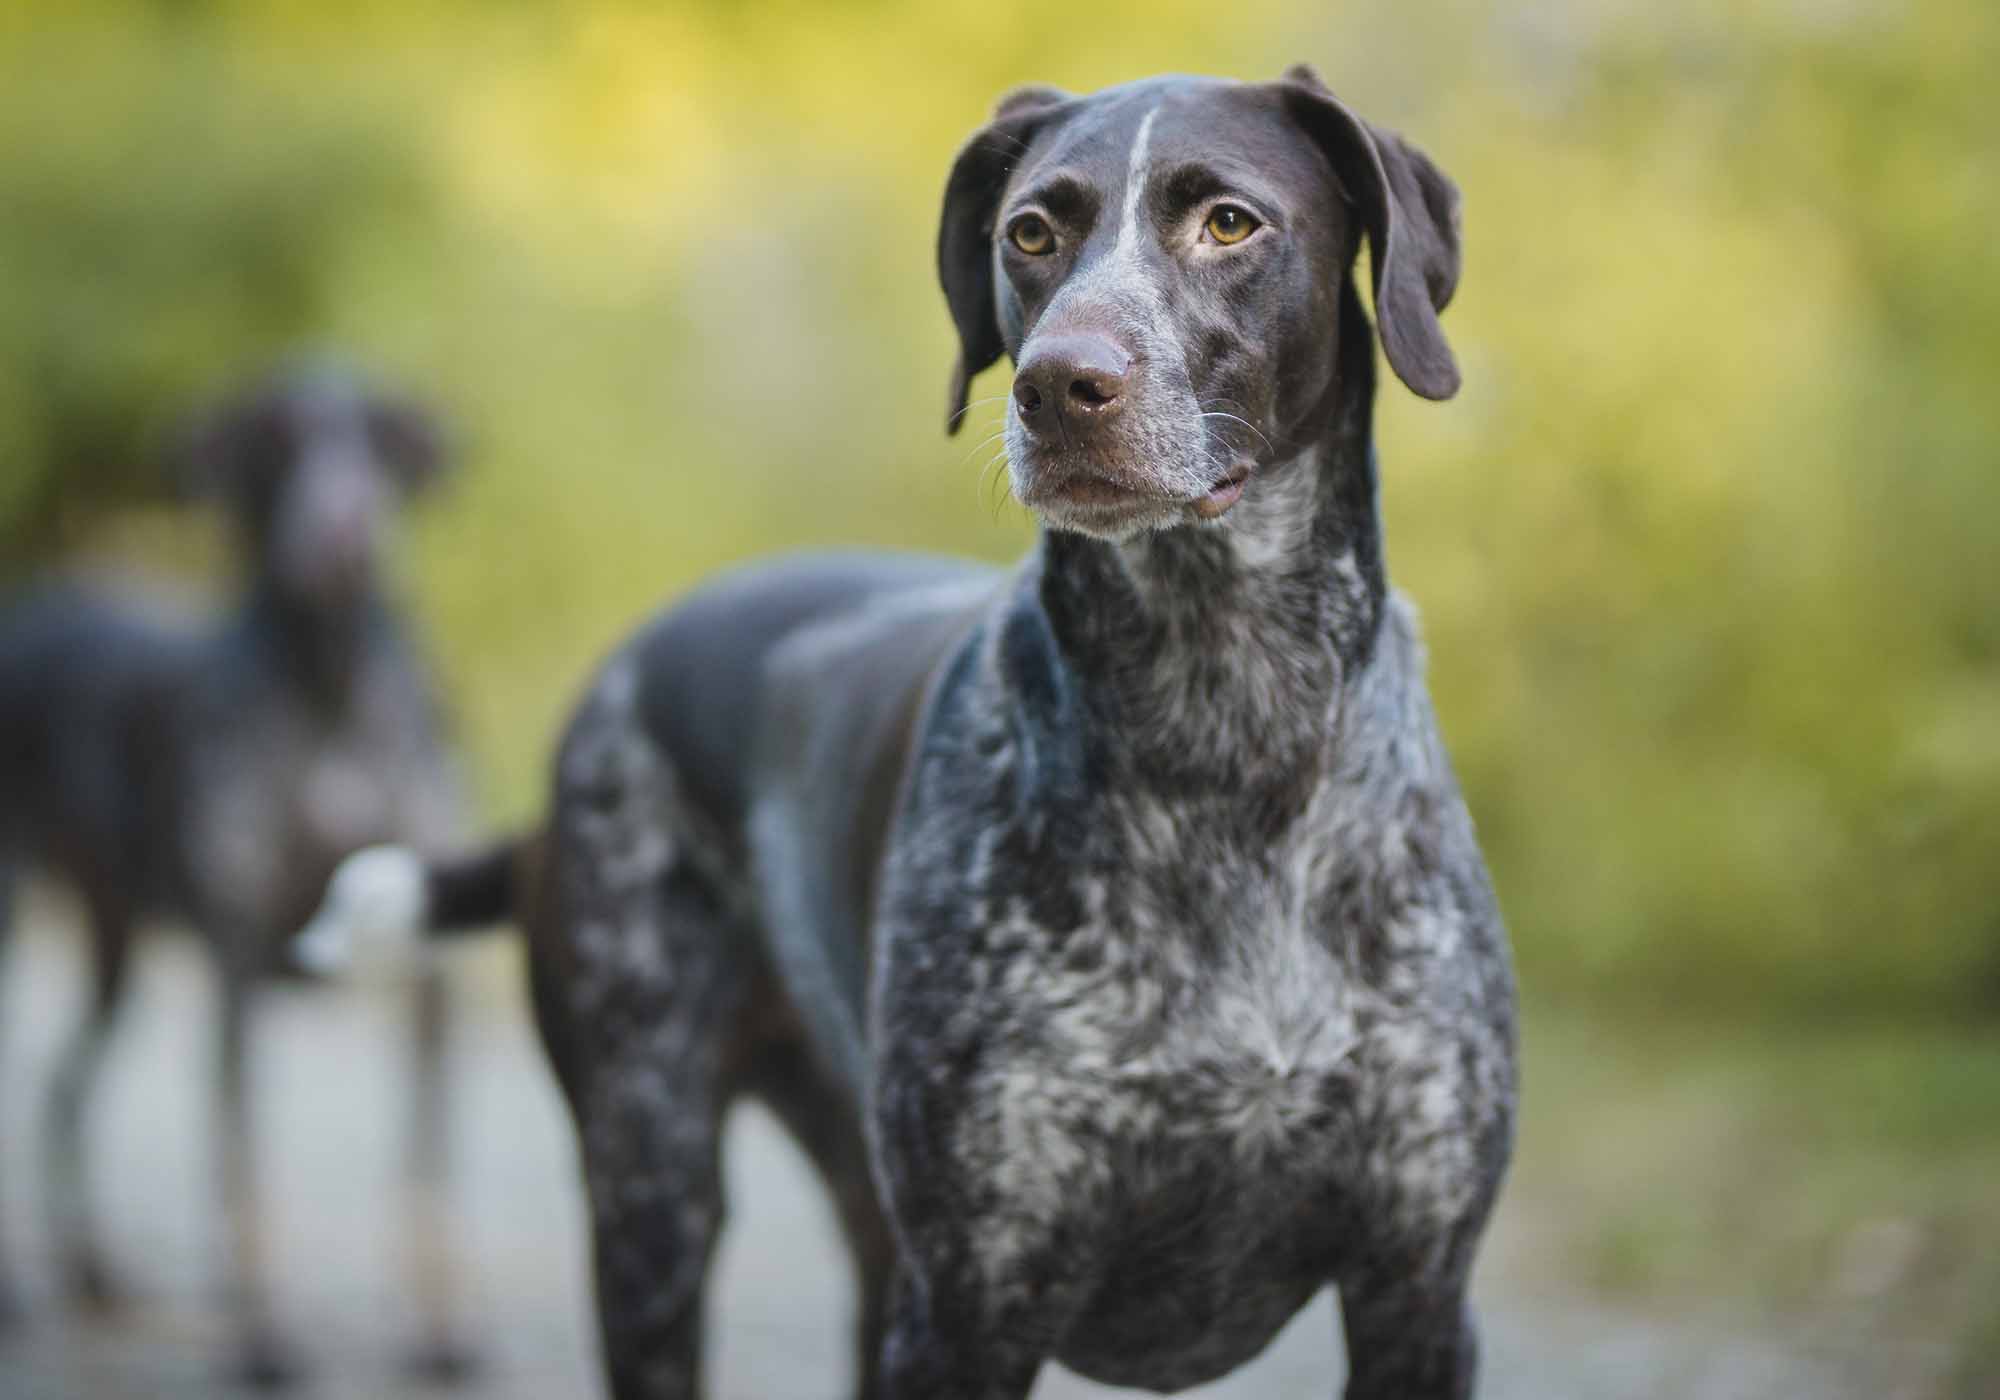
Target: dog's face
<point>1165,264</point>
<point>313,463</point>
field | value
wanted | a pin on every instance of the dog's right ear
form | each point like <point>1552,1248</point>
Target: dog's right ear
<point>965,233</point>
<point>216,451</point>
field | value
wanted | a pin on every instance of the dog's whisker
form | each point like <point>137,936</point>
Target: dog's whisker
<point>959,417</point>
<point>1281,447</point>
<point>998,484</point>
<point>993,480</point>
<point>984,442</point>
<point>1232,418</point>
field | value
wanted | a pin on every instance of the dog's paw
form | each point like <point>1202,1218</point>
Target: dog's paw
<point>373,913</point>
<point>443,1362</point>
<point>265,1361</point>
<point>96,1288</point>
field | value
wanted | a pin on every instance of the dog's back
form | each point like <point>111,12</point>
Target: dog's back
<point>88,706</point>
<point>813,664</point>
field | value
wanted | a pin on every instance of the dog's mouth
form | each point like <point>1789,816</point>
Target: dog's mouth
<point>1085,488</point>
<point>1101,493</point>
<point>1226,492</point>
<point>1099,503</point>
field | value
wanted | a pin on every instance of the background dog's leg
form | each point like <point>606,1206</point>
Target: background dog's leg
<point>85,1275</point>
<point>439,1356</point>
<point>936,1350</point>
<point>263,1359</point>
<point>1408,1338</point>
<point>816,1112</point>
<point>10,1305</point>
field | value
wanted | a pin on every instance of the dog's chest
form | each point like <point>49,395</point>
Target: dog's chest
<point>348,791</point>
<point>1184,1093</point>
<point>279,795</point>
<point>1163,1033</point>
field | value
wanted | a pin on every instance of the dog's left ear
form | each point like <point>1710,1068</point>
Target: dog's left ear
<point>408,439</point>
<point>965,233</point>
<point>218,451</point>
<point>1409,209</point>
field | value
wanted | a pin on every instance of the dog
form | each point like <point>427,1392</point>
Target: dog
<point>1111,932</point>
<point>216,775</point>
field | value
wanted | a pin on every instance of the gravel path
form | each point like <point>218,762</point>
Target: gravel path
<point>329,1094</point>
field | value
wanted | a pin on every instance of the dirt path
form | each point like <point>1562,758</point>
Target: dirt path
<point>329,1095</point>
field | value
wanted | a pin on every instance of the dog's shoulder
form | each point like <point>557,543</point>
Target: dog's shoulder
<point>701,670</point>
<point>1006,722</point>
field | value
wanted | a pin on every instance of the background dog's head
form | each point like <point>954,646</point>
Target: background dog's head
<point>312,461</point>
<point>1165,263</point>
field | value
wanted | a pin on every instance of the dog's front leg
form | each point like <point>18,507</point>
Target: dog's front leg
<point>1408,1339</point>
<point>263,1358</point>
<point>940,1347</point>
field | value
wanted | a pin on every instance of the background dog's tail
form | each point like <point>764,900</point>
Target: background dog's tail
<point>385,903</point>
<point>472,892</point>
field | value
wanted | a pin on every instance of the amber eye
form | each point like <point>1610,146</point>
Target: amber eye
<point>1031,235</point>
<point>1229,223</point>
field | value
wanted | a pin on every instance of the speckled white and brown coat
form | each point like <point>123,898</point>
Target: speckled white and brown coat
<point>1111,930</point>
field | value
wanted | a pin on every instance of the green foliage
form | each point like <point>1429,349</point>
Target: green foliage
<point>171,216</point>
<point>1703,547</point>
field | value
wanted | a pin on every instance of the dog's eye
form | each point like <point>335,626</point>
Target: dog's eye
<point>1032,235</point>
<point>1230,223</point>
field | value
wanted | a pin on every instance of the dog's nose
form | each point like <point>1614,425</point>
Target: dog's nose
<point>1078,380</point>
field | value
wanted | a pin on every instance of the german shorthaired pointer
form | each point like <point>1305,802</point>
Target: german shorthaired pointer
<point>218,775</point>
<point>1111,932</point>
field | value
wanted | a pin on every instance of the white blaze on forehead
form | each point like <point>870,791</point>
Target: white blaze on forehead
<point>1135,185</point>
<point>1121,265</point>
<point>1120,275</point>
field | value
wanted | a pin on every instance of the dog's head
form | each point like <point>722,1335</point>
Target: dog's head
<point>1165,263</point>
<point>313,460</point>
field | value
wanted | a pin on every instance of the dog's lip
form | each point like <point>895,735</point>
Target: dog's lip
<point>1101,491</point>
<point>1091,495</point>
<point>1227,490</point>
<point>1090,491</point>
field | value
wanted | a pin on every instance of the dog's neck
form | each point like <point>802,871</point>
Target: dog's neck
<point>1211,658</point>
<point>316,650</point>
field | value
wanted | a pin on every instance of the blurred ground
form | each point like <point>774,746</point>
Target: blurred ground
<point>329,1098</point>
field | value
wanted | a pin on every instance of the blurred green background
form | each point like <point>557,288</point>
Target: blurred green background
<point>1704,548</point>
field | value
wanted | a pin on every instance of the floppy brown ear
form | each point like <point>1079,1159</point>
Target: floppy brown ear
<point>216,450</point>
<point>965,232</point>
<point>1410,211</point>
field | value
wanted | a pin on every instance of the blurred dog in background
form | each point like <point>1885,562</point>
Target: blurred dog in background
<point>216,776</point>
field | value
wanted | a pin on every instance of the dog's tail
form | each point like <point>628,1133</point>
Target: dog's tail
<point>386,903</point>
